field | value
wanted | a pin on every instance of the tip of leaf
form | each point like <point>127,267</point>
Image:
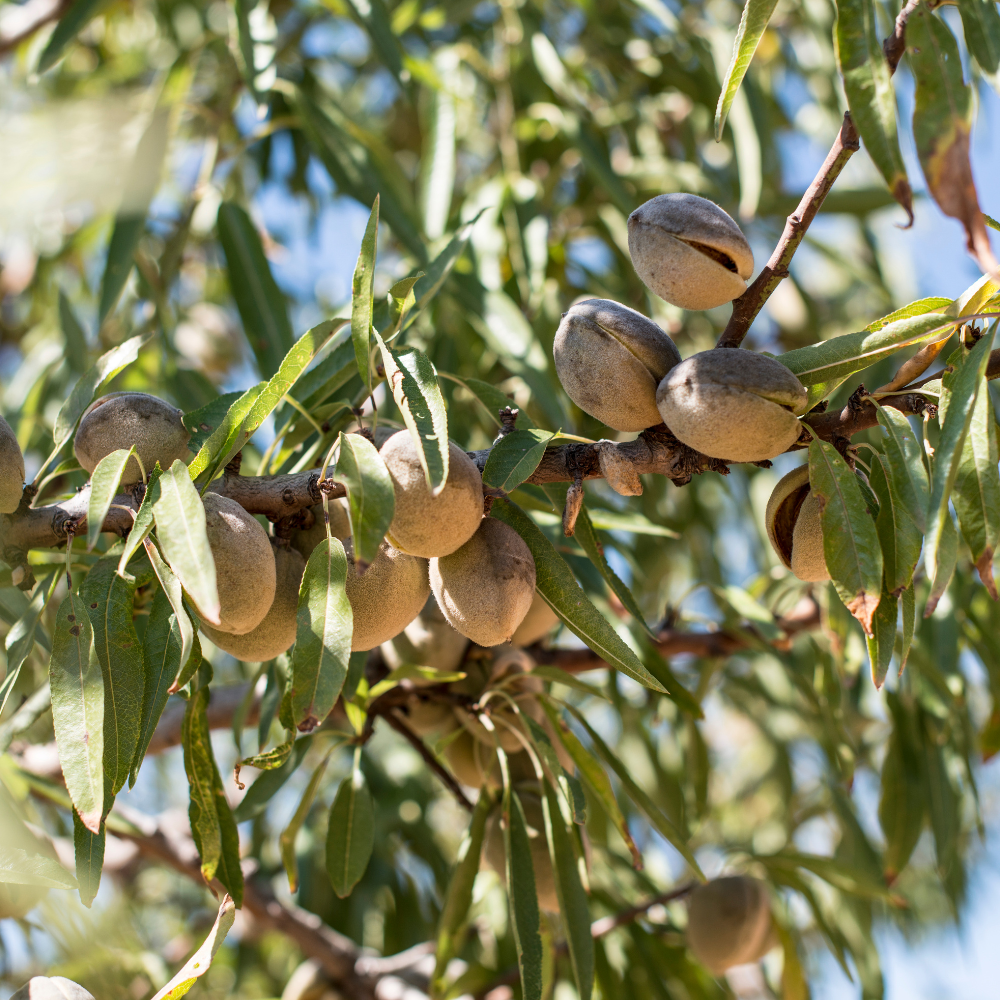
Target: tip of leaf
<point>91,819</point>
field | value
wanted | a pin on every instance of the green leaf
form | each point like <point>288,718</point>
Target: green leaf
<point>73,334</point>
<point>522,895</point>
<point>227,434</point>
<point>901,808</point>
<point>899,535</point>
<point>568,783</point>
<point>371,498</point>
<point>203,421</point>
<point>229,872</point>
<point>869,92</point>
<point>572,898</point>
<point>903,456</point>
<point>981,23</point>
<point>944,805</point>
<point>143,523</point>
<point>190,646</point>
<point>244,39</point>
<point>107,366</point>
<point>362,298</point>
<point>109,601</point>
<point>258,298</point>
<point>958,398</point>
<point>559,589</point>
<point>89,850</point>
<point>493,399</point>
<point>199,765</point>
<point>122,246</point>
<point>850,541</point>
<point>181,532</point>
<point>977,489</point>
<point>908,601</point>
<point>414,384</point>
<point>17,867</point>
<point>324,626</point>
<point>756,14</point>
<point>351,832</point>
<point>23,634</point>
<point>103,486</point>
<point>286,841</point>
<point>637,524</point>
<point>515,457</point>
<point>454,914</point>
<point>947,561</point>
<point>269,782</point>
<point>78,709</point>
<point>163,645</point>
<point>200,962</point>
<point>883,637</point>
<point>76,18</point>
<point>270,759</point>
<point>746,607</point>
<point>934,303</point>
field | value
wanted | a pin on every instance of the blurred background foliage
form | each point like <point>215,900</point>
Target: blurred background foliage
<point>532,129</point>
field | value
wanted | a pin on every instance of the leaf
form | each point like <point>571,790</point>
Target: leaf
<point>109,601</point>
<point>229,872</point>
<point>76,18</point>
<point>163,646</point>
<point>181,532</point>
<point>934,303</point>
<point>908,601</point>
<point>569,784</point>
<point>633,522</point>
<point>850,541</point>
<point>286,841</point>
<point>89,850</point>
<point>595,778</point>
<point>21,637</point>
<point>902,808</point>
<point>124,242</point>
<point>106,367</point>
<point>555,582</point>
<point>260,303</point>
<point>244,39</point>
<point>198,964</point>
<point>899,535</point>
<point>371,497</point>
<point>17,867</point>
<point>203,421</point>
<point>572,898</point>
<point>746,607</point>
<point>454,913</point>
<point>270,759</point>
<point>883,637</point>
<point>959,390</point>
<point>522,896</point>
<point>268,784</point>
<point>199,766</point>
<point>440,267</point>
<point>942,122</point>
<point>981,24</point>
<point>756,14</point>
<point>977,489</point>
<point>947,560</point>
<point>515,457</point>
<point>78,709</point>
<point>73,334</point>
<point>414,384</point>
<point>869,92</point>
<point>324,626</point>
<point>143,523</point>
<point>171,586</point>
<point>351,833</point>
<point>904,465</point>
<point>226,435</point>
<point>362,298</point>
<point>103,486</point>
<point>493,399</point>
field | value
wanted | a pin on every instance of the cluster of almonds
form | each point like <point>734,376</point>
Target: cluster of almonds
<point>621,368</point>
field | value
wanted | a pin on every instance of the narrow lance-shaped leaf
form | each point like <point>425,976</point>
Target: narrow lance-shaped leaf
<point>942,123</point>
<point>269,783</point>
<point>908,603</point>
<point>947,561</point>
<point>109,602</point>
<point>324,626</point>
<point>515,457</point>
<point>144,520</point>
<point>883,637</point>
<point>902,808</point>
<point>124,242</point>
<point>199,765</point>
<point>73,334</point>
<point>492,398</point>
<point>415,389</point>
<point>226,435</point>
<point>286,841</point>
<point>899,535</point>
<point>18,867</point>
<point>88,848</point>
<point>568,783</point>
<point>559,589</point>
<point>868,86</point>
<point>572,898</point>
<point>78,710</point>
<point>981,24</point>
<point>200,962</point>
<point>77,17</point>
<point>23,633</point>
<point>850,542</point>
<point>351,831</point>
<point>904,465</point>
<point>371,498</point>
<point>959,390</point>
<point>756,14</point>
<point>174,592</point>
<point>201,423</point>
<point>103,486</point>
<point>362,298</point>
<point>258,298</point>
<point>181,532</point>
<point>522,895</point>
<point>229,872</point>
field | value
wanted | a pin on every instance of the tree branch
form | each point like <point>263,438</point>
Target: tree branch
<point>748,305</point>
<point>895,45</point>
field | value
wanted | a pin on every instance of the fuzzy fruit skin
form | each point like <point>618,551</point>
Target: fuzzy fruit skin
<point>428,641</point>
<point>276,632</point>
<point>729,922</point>
<point>424,525</point>
<point>485,588</point>
<point>424,716</point>
<point>541,861</point>
<point>244,565</point>
<point>794,526</point>
<point>664,236</point>
<point>536,624</point>
<point>122,419</point>
<point>386,597</point>
<point>474,763</point>
<point>11,469</point>
<point>733,405</point>
<point>305,540</point>
<point>609,359</point>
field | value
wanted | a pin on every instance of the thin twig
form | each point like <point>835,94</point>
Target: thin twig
<point>748,305</point>
<point>895,45</point>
